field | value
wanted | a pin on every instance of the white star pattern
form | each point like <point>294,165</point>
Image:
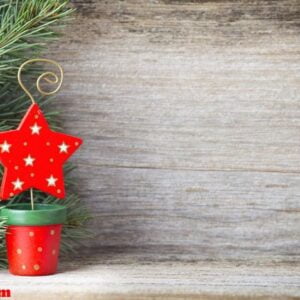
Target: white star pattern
<point>35,129</point>
<point>63,147</point>
<point>18,184</point>
<point>51,181</point>
<point>29,160</point>
<point>5,147</point>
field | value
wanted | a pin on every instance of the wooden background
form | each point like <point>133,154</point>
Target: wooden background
<point>190,113</point>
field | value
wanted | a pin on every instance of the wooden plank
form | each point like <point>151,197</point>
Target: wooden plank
<point>188,215</point>
<point>180,86</point>
<point>191,117</point>
<point>91,279</point>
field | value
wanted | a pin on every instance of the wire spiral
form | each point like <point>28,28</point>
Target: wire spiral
<point>49,77</point>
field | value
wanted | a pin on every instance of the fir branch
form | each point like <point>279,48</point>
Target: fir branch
<point>26,28</point>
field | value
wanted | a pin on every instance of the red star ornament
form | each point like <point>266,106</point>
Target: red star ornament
<point>33,156</point>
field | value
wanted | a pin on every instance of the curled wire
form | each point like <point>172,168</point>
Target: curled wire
<point>49,77</point>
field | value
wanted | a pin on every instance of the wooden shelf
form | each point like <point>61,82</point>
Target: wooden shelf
<point>94,279</point>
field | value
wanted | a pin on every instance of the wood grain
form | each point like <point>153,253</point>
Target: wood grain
<point>190,113</point>
<point>91,279</point>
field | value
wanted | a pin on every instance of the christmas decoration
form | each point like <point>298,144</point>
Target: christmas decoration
<point>33,156</point>
<point>27,28</point>
<point>34,239</point>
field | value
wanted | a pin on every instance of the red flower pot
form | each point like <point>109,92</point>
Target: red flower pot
<point>33,238</point>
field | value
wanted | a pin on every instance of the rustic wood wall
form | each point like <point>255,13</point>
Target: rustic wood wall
<point>190,112</point>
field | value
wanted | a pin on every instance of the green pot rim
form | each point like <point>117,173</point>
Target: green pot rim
<point>43,214</point>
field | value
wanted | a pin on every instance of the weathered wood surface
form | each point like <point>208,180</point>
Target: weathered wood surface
<point>99,279</point>
<point>190,113</point>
